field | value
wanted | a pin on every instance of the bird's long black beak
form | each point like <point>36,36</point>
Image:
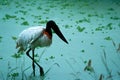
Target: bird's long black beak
<point>58,32</point>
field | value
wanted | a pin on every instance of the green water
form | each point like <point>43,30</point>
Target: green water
<point>92,29</point>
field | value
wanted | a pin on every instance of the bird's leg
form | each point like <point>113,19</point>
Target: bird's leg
<point>33,65</point>
<point>41,69</point>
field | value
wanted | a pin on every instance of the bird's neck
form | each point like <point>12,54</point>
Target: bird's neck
<point>48,32</point>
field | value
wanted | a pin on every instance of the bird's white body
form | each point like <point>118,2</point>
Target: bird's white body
<point>33,37</point>
<point>37,37</point>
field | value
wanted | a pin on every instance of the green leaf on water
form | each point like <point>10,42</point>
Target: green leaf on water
<point>83,51</point>
<point>108,38</point>
<point>52,57</point>
<point>85,62</point>
<point>1,58</point>
<point>1,38</point>
<point>111,9</point>
<point>15,74</point>
<point>9,16</point>
<point>25,23</point>
<point>14,38</point>
<point>80,29</point>
<point>43,22</point>
<point>36,55</point>
<point>16,55</point>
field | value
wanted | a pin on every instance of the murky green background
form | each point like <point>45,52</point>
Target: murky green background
<point>92,28</point>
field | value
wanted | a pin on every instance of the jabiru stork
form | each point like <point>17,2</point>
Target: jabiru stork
<point>37,36</point>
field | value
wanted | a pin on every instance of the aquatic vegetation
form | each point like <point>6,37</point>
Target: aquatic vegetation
<point>110,9</point>
<point>75,74</point>
<point>80,29</point>
<point>109,26</point>
<point>7,17</point>
<point>96,15</point>
<point>15,74</point>
<point>42,21</point>
<point>1,58</point>
<point>106,27</point>
<point>104,60</point>
<point>96,23</point>
<point>83,20</point>
<point>23,12</point>
<point>39,8</point>
<point>91,43</point>
<point>115,18</point>
<point>67,26</point>
<point>5,2</point>
<point>16,55</point>
<point>81,12</point>
<point>1,38</point>
<point>25,23</point>
<point>119,25</point>
<point>89,66</point>
<point>14,38</point>
<point>83,51</point>
<point>99,28</point>
<point>108,38</point>
<point>52,57</point>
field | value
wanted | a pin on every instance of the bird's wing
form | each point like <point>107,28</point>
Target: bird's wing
<point>33,40</point>
<point>37,35</point>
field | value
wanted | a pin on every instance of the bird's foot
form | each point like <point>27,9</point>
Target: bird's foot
<point>41,71</point>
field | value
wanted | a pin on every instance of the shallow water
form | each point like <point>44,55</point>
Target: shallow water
<point>92,29</point>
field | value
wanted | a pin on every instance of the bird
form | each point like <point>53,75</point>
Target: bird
<point>38,36</point>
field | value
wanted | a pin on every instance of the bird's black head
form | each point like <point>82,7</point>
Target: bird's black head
<point>51,24</point>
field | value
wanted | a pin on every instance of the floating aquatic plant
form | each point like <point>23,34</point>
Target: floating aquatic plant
<point>108,38</point>
<point>14,38</point>
<point>16,55</point>
<point>52,57</point>
<point>25,23</point>
<point>39,8</point>
<point>115,18</point>
<point>23,12</point>
<point>80,29</point>
<point>15,74</point>
<point>47,10</point>
<point>7,17</point>
<point>67,26</point>
<point>0,38</point>
<point>92,43</point>
<point>99,28</point>
<point>22,18</point>
<point>1,58</point>
<point>83,51</point>
<point>83,20</point>
<point>42,21</point>
<point>95,15</point>
<point>107,27</point>
<point>111,9</point>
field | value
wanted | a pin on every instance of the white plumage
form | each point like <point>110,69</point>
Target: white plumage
<point>37,37</point>
<point>31,38</point>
